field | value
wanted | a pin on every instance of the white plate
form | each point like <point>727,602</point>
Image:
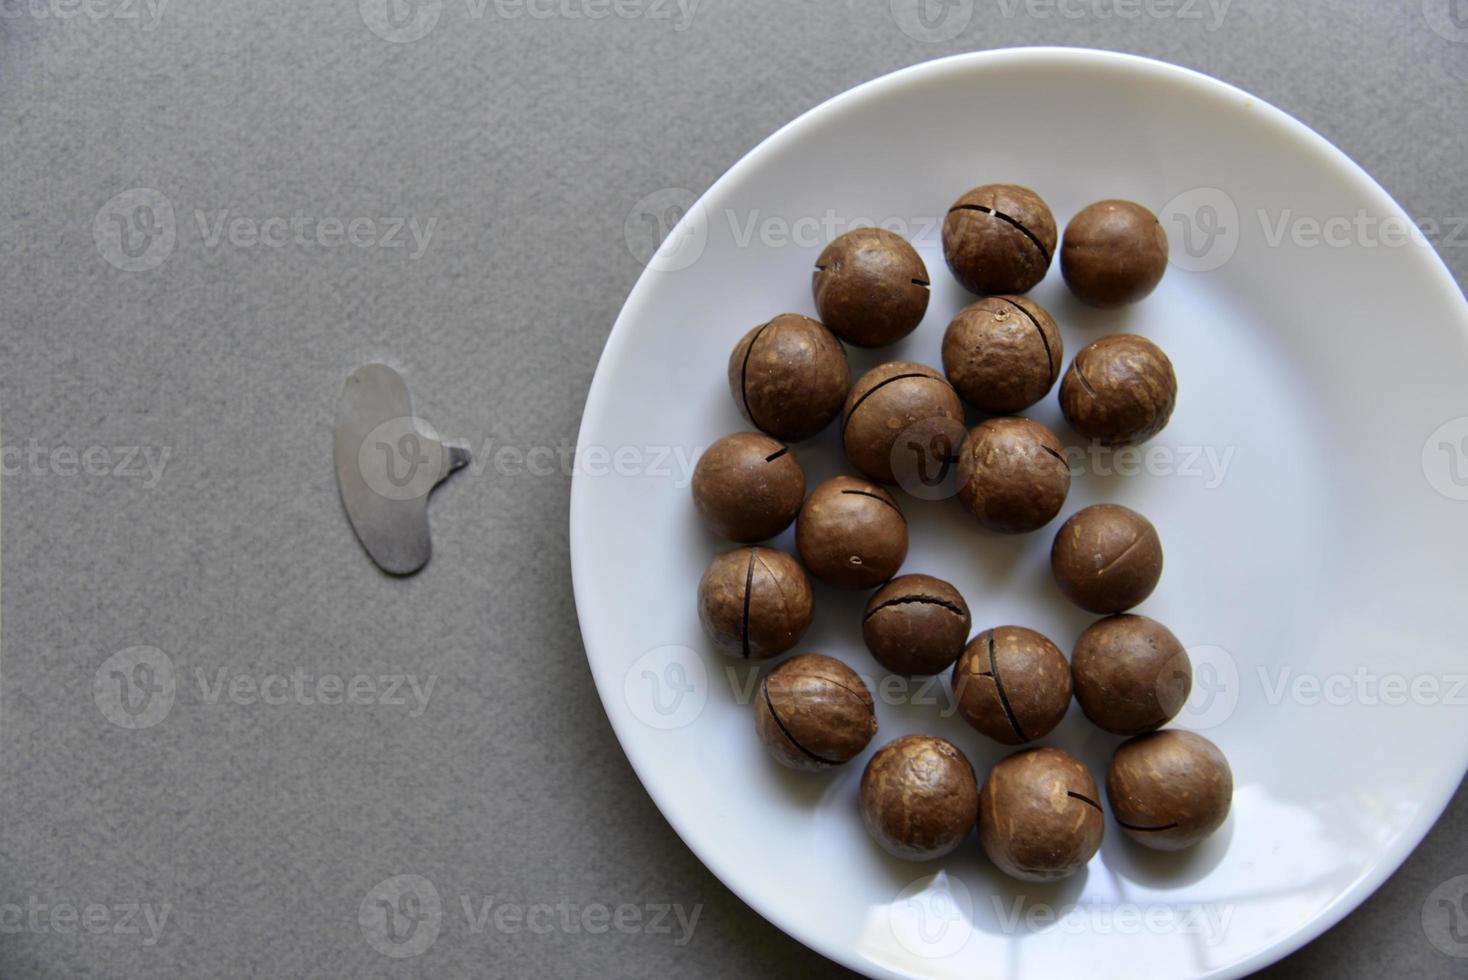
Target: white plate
<point>1331,553</point>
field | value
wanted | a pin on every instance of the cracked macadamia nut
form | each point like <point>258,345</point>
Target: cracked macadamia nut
<point>789,377</point>
<point>887,402</point>
<point>754,602</point>
<point>814,713</point>
<point>1012,475</point>
<point>916,625</point>
<point>919,798</point>
<point>1131,674</point>
<point>1003,354</point>
<point>871,287</point>
<point>851,534</point>
<point>1106,558</point>
<point>1169,790</point>
<point>1114,254</point>
<point>1012,684</point>
<point>1119,391</point>
<point>1039,819</point>
<point>748,487</point>
<point>999,239</point>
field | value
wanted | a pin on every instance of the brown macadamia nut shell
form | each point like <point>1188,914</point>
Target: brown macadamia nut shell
<point>1012,475</point>
<point>999,238</point>
<point>851,533</point>
<point>813,713</point>
<point>1119,391</point>
<point>1003,354</point>
<point>789,377</point>
<point>870,287</point>
<point>754,603</point>
<point>886,402</point>
<point>1106,558</point>
<point>747,487</point>
<point>916,625</point>
<point>919,797</point>
<point>1170,789</point>
<point>1039,818</point>
<point>1131,674</point>
<point>1012,684</point>
<point>1114,254</point>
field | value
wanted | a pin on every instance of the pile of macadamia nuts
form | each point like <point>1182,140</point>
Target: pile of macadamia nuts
<point>1038,812</point>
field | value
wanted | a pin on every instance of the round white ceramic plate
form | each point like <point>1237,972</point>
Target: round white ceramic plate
<point>1310,493</point>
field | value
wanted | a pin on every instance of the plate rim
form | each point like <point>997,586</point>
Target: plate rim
<point>1365,885</point>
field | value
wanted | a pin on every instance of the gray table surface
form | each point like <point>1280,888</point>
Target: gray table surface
<point>240,838</point>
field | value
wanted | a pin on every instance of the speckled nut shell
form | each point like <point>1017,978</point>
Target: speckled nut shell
<point>1039,815</point>
<point>919,797</point>
<point>851,533</point>
<point>1012,684</point>
<point>916,625</point>
<point>999,239</point>
<point>1003,354</point>
<point>886,402</point>
<point>1114,254</point>
<point>814,713</point>
<point>1119,391</point>
<point>754,602</point>
<point>871,287</point>
<point>1170,789</point>
<point>1131,674</point>
<point>748,487</point>
<point>789,377</point>
<point>1106,558</point>
<point>1012,475</point>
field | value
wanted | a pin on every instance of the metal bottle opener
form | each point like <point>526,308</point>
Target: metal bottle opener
<point>387,463</point>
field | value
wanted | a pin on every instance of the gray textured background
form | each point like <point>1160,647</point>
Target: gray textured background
<point>262,827</point>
